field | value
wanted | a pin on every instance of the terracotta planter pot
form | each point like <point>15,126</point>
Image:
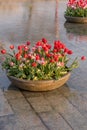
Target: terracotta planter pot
<point>39,85</point>
<point>76,19</point>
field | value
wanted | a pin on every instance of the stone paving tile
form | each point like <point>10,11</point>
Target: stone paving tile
<point>31,94</point>
<point>84,94</point>
<point>1,92</point>
<point>80,85</point>
<point>20,105</point>
<point>54,121</point>
<point>5,122</point>
<point>29,119</point>
<point>76,99</point>
<point>25,115</point>
<point>50,93</point>
<point>68,112</point>
<point>5,108</point>
<point>40,104</point>
<point>28,94</point>
<point>11,123</point>
<point>41,127</point>
<point>13,93</point>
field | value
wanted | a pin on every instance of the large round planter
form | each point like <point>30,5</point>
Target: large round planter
<point>39,85</point>
<point>76,19</point>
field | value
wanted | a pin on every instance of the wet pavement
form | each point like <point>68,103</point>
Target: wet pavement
<point>64,108</point>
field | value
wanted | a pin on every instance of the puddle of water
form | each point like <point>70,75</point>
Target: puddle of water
<point>20,21</point>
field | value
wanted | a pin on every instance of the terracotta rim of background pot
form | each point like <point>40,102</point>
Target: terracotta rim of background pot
<point>76,19</point>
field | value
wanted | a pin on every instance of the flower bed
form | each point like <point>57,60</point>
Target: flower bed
<point>76,8</point>
<point>40,62</point>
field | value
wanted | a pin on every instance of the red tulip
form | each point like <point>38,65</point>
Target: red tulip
<point>3,51</point>
<point>26,48</point>
<point>28,43</point>
<point>83,58</point>
<point>11,46</point>
<point>34,64</point>
<point>44,40</point>
<point>70,52</point>
<point>18,56</point>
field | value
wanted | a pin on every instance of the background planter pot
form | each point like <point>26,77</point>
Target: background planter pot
<point>76,19</point>
<point>39,85</point>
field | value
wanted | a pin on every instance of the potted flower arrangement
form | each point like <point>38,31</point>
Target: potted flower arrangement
<point>76,11</point>
<point>39,68</point>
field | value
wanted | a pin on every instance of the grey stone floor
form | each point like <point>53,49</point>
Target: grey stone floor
<point>59,109</point>
<point>64,108</point>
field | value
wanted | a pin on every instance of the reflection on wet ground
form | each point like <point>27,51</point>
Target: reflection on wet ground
<point>76,31</point>
<point>33,19</point>
<point>27,20</point>
<point>20,21</point>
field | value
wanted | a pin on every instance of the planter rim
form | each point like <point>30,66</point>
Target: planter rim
<point>47,80</point>
<point>76,19</point>
<point>39,85</point>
